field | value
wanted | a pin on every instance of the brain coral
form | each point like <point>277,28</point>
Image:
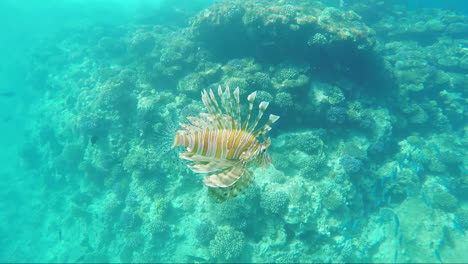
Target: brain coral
<point>284,100</point>
<point>350,164</point>
<point>227,244</point>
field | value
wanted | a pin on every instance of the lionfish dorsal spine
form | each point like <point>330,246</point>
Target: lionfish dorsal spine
<point>227,104</point>
<point>218,111</point>
<point>235,121</point>
<point>207,102</point>
<point>261,109</point>
<point>267,127</point>
<point>223,98</point>
<point>251,99</point>
<point>236,96</point>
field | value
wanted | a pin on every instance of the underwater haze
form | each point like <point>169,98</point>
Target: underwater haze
<point>114,152</point>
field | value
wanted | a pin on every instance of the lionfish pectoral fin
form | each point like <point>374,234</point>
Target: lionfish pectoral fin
<point>225,193</point>
<point>195,157</point>
<point>213,166</point>
<point>225,178</point>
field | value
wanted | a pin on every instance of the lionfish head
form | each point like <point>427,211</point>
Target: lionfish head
<point>264,157</point>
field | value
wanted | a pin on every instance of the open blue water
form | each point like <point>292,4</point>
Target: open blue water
<point>368,158</point>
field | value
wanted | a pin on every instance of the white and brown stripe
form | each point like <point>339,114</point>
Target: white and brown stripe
<point>223,144</point>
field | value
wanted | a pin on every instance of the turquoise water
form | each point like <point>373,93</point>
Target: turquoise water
<point>368,157</point>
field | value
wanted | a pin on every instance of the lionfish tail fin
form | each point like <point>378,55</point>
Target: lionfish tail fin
<point>166,136</point>
<point>223,194</point>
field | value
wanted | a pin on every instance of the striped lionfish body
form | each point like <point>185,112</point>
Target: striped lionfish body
<point>222,146</point>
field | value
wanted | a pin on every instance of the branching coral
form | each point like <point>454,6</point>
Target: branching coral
<point>227,245</point>
<point>274,201</point>
<point>333,201</point>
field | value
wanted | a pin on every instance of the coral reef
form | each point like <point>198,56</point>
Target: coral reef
<point>373,136</point>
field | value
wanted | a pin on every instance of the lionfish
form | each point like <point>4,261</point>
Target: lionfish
<point>222,146</point>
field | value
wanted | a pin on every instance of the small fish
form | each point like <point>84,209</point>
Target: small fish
<point>445,182</point>
<point>389,199</point>
<point>8,94</point>
<point>93,140</point>
<point>459,227</point>
<point>436,149</point>
<point>397,224</point>
<point>319,208</point>
<point>424,199</point>
<point>6,119</point>
<point>408,157</point>
<point>401,164</point>
<point>196,259</point>
<point>355,225</point>
<point>60,234</point>
<point>437,254</point>
<point>415,147</point>
<point>384,193</point>
<point>78,260</point>
<point>393,175</point>
<point>374,191</point>
<point>421,156</point>
<point>364,251</point>
<point>463,169</point>
<point>409,191</point>
<point>383,181</point>
<point>417,168</point>
<point>345,224</point>
<point>378,203</point>
<point>268,43</point>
